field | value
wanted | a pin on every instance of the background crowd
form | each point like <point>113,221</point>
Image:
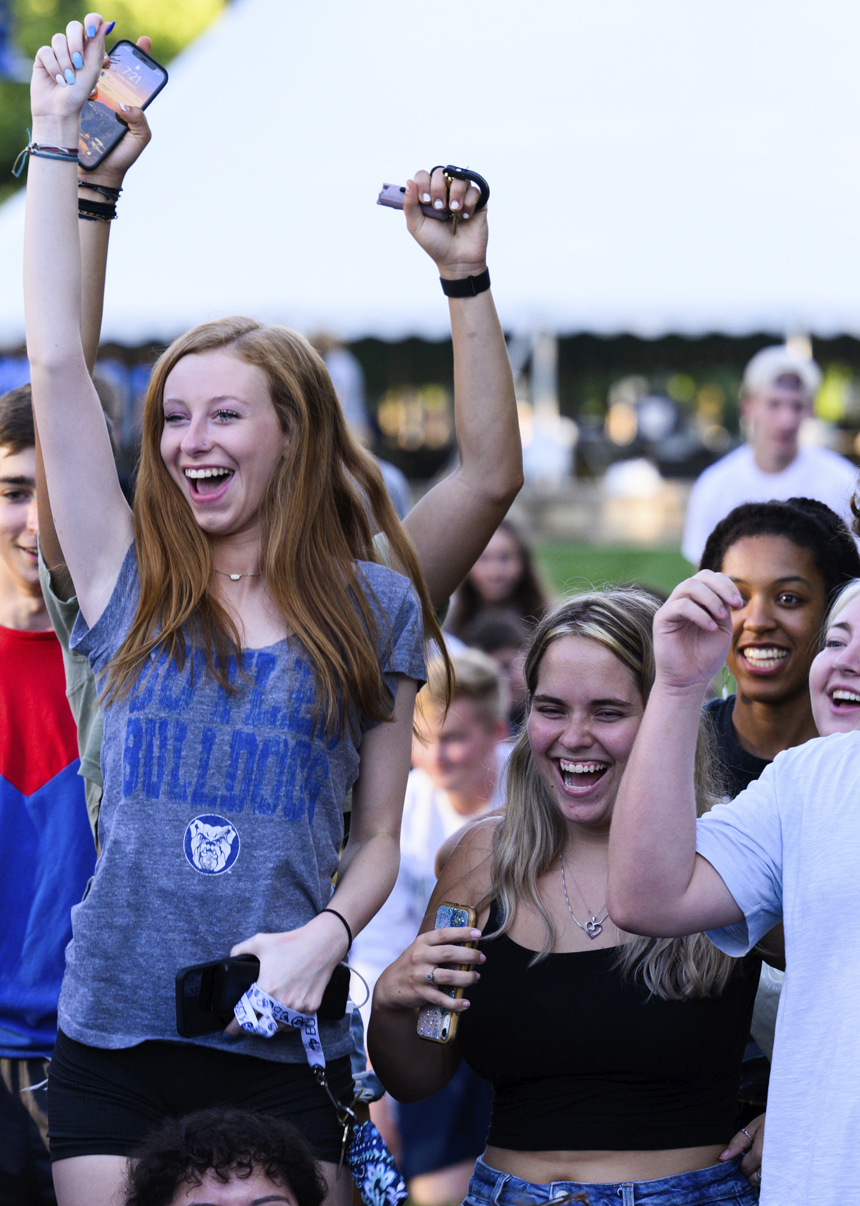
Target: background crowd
<point>209,676</point>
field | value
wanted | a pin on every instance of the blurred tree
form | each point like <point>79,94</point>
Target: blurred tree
<point>30,24</point>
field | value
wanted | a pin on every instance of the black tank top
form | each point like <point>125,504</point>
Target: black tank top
<point>583,1059</point>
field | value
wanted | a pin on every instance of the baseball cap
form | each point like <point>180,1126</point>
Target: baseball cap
<point>768,365</point>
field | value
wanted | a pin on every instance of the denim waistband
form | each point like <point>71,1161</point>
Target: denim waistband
<point>720,1183</point>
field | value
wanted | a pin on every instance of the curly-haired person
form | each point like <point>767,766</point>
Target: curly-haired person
<point>224,1157</point>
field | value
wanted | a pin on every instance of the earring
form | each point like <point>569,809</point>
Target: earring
<point>724,694</point>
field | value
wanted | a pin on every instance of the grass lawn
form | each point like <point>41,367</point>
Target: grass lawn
<point>576,567</point>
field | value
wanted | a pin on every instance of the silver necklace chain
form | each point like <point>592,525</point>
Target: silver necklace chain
<point>594,926</point>
<point>236,577</point>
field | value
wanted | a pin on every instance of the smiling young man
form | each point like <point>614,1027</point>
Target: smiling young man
<point>47,854</point>
<point>777,395</point>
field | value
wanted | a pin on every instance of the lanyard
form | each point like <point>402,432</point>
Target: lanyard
<point>256,1002</point>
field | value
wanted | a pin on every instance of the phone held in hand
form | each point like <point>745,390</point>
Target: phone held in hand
<point>131,78</point>
<point>436,1024</point>
<point>207,993</point>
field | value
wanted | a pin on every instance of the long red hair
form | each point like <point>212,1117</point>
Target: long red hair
<point>323,505</point>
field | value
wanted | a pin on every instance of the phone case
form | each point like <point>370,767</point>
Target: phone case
<point>101,125</point>
<point>436,1024</point>
<point>206,994</point>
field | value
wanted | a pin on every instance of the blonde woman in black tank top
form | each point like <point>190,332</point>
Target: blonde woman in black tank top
<point>614,1058</point>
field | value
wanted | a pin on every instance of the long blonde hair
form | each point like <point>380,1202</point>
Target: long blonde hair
<point>322,507</point>
<point>533,835</point>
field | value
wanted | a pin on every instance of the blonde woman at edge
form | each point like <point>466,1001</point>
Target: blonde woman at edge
<point>614,1060</point>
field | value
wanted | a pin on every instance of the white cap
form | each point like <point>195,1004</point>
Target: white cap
<point>768,365</point>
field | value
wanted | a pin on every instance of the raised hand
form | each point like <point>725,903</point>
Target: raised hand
<point>127,151</point>
<point>65,73</point>
<point>693,630</point>
<point>460,253</point>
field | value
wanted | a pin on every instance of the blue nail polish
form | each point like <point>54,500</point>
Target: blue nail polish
<point>77,60</point>
<point>109,28</point>
<point>91,31</point>
<point>70,75</point>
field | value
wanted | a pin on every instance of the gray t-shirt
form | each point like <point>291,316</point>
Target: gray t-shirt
<point>221,819</point>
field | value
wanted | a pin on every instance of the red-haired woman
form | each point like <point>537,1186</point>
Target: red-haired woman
<point>248,645</point>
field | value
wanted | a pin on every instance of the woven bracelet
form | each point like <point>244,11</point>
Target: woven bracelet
<point>96,211</point>
<point>66,154</point>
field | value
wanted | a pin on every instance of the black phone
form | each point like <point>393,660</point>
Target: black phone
<point>207,993</point>
<point>131,78</point>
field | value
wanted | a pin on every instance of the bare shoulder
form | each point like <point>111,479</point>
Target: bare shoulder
<point>467,875</point>
<point>443,854</point>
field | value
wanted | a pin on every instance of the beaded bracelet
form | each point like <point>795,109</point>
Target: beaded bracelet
<point>96,211</point>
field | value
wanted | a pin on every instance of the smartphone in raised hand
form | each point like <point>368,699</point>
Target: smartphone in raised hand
<point>132,77</point>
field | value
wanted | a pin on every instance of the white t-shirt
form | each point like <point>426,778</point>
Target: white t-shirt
<point>788,849</point>
<point>429,819</point>
<point>814,473</point>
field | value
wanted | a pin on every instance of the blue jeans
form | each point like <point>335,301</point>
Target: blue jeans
<point>722,1183</point>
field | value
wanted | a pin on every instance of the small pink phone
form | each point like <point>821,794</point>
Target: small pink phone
<point>436,1024</point>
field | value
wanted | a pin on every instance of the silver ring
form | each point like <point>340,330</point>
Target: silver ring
<point>748,1135</point>
<point>430,977</point>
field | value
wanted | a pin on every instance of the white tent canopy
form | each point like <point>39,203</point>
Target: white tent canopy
<point>656,165</point>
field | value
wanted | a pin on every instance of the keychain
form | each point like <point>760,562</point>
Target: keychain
<point>392,194</point>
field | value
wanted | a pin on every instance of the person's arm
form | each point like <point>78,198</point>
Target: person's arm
<point>92,518</point>
<point>295,966</point>
<point>94,237</point>
<point>476,496</point>
<point>658,885</point>
<point>410,1067</point>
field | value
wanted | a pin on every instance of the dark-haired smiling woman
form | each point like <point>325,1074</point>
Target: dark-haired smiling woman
<point>788,560</point>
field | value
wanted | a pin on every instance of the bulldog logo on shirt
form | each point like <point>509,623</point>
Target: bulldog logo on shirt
<point>211,844</point>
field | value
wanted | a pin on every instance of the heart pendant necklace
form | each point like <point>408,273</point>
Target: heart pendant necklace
<point>594,926</point>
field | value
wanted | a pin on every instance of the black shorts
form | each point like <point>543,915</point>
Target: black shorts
<point>102,1102</point>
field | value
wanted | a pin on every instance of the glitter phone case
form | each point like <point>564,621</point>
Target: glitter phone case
<point>436,1024</point>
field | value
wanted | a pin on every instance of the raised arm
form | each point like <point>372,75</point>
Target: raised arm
<point>92,519</point>
<point>94,237</point>
<point>473,499</point>
<point>657,883</point>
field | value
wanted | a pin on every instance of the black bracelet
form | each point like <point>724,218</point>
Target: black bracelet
<point>345,922</point>
<point>96,211</point>
<point>106,190</point>
<point>469,286</point>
